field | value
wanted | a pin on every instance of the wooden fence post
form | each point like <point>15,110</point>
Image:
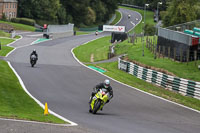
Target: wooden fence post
<point>188,54</point>
<point>195,57</point>
<point>163,52</point>
<point>153,49</point>
<point>181,55</point>
<point>155,52</point>
<point>168,52</point>
<point>159,51</point>
<point>174,54</point>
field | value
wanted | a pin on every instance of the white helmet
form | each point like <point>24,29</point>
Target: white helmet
<point>106,83</point>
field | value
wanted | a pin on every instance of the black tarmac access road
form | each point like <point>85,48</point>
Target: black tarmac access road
<point>65,85</point>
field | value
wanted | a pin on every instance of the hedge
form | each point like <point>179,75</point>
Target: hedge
<point>26,21</point>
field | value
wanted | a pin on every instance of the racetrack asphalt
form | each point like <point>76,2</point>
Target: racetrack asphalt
<point>65,85</point>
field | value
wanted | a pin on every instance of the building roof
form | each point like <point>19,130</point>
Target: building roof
<point>10,1</point>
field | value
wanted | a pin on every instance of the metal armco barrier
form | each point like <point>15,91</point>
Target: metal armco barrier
<point>183,86</point>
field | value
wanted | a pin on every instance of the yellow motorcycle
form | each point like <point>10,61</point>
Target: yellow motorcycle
<point>98,101</point>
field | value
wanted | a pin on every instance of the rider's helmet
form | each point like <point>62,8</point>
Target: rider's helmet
<point>34,51</point>
<point>106,83</point>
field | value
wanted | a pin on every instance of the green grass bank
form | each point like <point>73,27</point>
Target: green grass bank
<point>18,26</point>
<point>5,49</point>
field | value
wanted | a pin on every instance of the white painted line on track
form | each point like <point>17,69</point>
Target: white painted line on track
<point>138,22</point>
<point>120,18</point>
<point>129,85</point>
<point>10,51</point>
<point>34,122</point>
<point>132,23</point>
<point>12,46</point>
<point>38,102</point>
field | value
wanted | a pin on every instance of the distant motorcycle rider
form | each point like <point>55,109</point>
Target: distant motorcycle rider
<point>96,33</point>
<point>106,85</point>
<point>34,53</point>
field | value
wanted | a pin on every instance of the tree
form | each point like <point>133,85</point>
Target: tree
<point>100,10</point>
<point>79,12</point>
<point>39,9</point>
<point>90,17</point>
<point>179,11</point>
<point>62,15</point>
<point>149,29</point>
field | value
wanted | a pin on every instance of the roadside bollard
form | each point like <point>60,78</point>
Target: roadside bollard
<point>0,45</point>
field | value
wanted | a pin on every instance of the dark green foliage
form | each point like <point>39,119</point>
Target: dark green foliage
<point>180,11</point>
<point>15,20</point>
<point>149,29</point>
<point>39,9</point>
<point>62,15</point>
<point>80,12</point>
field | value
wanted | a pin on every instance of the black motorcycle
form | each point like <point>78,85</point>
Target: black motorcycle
<point>33,60</point>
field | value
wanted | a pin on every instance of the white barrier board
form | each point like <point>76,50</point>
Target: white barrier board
<point>113,28</point>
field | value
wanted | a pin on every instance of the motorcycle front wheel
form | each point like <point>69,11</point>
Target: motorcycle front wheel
<point>96,106</point>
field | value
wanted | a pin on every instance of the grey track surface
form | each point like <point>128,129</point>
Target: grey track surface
<point>7,126</point>
<point>66,85</point>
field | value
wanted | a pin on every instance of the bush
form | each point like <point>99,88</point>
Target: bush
<point>149,29</point>
<point>15,20</point>
<point>26,21</point>
<point>42,22</point>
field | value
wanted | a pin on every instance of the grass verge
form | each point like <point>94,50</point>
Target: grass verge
<point>4,34</point>
<point>182,70</point>
<point>82,33</point>
<point>118,17</point>
<point>5,49</point>
<point>115,73</point>
<point>15,103</point>
<point>20,26</point>
<point>99,48</point>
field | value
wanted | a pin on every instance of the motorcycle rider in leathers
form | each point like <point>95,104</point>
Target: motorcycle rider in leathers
<point>106,85</point>
<point>34,53</point>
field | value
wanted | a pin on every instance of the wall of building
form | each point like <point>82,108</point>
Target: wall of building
<point>9,8</point>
